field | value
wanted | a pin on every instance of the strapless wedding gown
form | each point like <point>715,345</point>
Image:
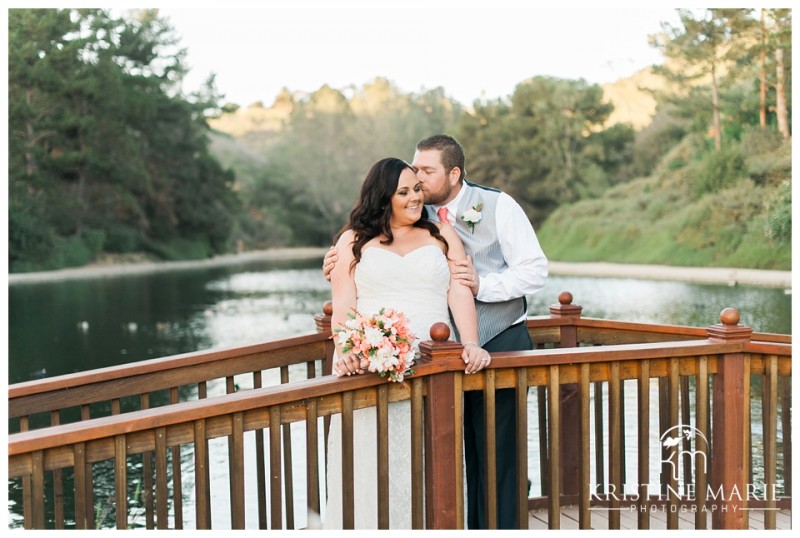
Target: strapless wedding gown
<point>415,284</point>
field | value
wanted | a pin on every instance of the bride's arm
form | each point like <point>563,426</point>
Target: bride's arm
<point>462,306</point>
<point>344,298</point>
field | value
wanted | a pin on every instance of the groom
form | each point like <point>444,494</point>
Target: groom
<point>505,264</point>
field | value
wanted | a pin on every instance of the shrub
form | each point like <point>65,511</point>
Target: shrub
<point>717,170</point>
<point>122,239</point>
<point>779,214</point>
<point>756,141</point>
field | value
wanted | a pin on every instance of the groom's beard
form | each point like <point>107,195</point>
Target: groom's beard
<point>437,197</point>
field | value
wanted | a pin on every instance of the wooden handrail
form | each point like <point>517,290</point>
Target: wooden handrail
<point>329,385</point>
<point>45,438</point>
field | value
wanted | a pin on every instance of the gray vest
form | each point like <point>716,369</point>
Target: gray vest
<point>481,244</point>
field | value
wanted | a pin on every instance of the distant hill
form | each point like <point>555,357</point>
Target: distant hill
<point>632,102</point>
<point>254,125</point>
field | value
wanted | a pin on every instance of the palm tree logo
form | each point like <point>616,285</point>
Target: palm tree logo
<point>673,438</point>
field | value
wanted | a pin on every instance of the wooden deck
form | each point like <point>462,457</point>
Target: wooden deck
<point>537,519</point>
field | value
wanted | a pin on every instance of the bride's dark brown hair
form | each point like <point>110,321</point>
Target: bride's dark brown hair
<point>371,215</point>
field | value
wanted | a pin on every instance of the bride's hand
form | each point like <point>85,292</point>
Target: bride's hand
<point>475,358</point>
<point>349,365</point>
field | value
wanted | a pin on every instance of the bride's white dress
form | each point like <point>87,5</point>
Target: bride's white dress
<point>415,284</point>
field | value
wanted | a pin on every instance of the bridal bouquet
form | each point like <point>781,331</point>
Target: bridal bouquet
<point>384,339</point>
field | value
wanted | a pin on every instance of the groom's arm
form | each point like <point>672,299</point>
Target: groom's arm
<point>527,264</point>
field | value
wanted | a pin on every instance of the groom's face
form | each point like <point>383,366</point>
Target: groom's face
<point>439,187</point>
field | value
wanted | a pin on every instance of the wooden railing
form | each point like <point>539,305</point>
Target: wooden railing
<point>157,459</point>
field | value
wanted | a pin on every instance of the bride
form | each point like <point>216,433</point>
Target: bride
<point>392,256</point>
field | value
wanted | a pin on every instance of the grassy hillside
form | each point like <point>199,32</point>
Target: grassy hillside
<point>689,212</point>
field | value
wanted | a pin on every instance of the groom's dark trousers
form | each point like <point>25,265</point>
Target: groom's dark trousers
<point>515,338</point>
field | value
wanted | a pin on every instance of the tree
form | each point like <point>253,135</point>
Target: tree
<point>703,46</point>
<point>102,138</point>
<point>781,43</point>
<point>546,146</point>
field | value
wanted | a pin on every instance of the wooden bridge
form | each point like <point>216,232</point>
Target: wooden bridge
<point>141,444</point>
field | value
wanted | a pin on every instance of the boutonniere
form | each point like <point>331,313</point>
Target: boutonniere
<point>472,216</point>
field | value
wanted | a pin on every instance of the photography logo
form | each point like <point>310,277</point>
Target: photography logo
<point>677,437</point>
<point>683,457</point>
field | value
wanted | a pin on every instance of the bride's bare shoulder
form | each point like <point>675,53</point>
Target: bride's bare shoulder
<point>347,238</point>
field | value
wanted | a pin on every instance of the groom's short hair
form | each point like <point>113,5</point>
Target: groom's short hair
<point>452,152</point>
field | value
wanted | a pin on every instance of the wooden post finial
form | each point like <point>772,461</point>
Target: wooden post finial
<point>729,316</point>
<point>323,321</point>
<point>729,329</point>
<point>439,346</point>
<point>440,332</point>
<point>565,308</point>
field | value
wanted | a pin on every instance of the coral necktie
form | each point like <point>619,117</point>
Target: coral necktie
<point>442,212</point>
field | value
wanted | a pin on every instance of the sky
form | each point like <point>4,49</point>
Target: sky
<point>472,51</point>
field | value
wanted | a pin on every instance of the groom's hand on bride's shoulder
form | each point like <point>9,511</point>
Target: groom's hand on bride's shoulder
<point>328,262</point>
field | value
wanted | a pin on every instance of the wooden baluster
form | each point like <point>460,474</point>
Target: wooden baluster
<point>555,448</point>
<point>147,470</point>
<point>58,482</point>
<point>673,502</point>
<point>770,439</point>
<point>323,323</point>
<point>584,435</point>
<point>614,446</point>
<point>79,456</point>
<point>312,457</point>
<point>201,475</point>
<point>121,481</point>
<point>261,464</point>
<point>37,490</point>
<point>522,447</point>
<point>237,468</point>
<point>643,504</point>
<point>177,481</point>
<point>288,484</point>
<point>701,444</point>
<point>162,488</point>
<point>417,444</point>
<point>276,476</point>
<point>382,472</point>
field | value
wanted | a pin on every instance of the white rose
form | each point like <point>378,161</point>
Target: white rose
<point>472,216</point>
<point>373,336</point>
<point>343,337</point>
